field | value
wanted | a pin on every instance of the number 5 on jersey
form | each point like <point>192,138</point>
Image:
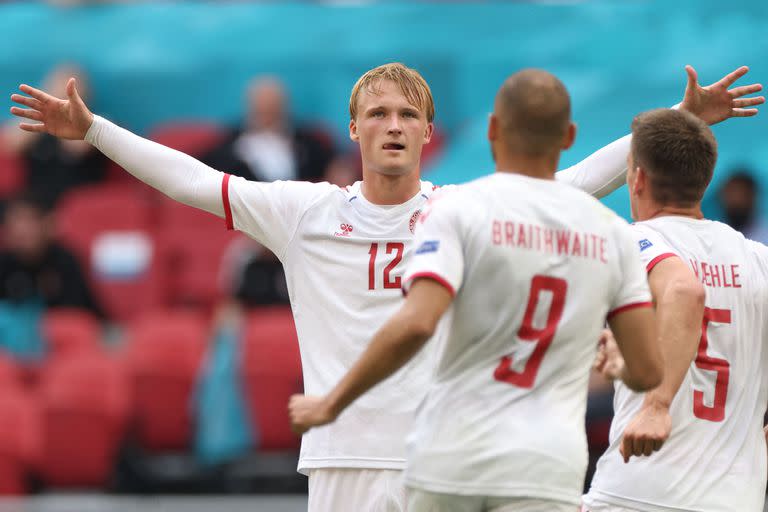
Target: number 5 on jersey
<point>541,336</point>
<point>392,247</point>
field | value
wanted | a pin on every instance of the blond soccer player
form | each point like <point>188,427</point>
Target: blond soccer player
<point>344,251</point>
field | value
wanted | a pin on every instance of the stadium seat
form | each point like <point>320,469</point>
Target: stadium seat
<point>13,173</point>
<point>71,330</point>
<point>164,354</point>
<point>110,228</point>
<point>10,373</point>
<point>272,371</point>
<point>434,149</point>
<point>85,404</point>
<point>192,244</point>
<point>20,441</point>
<point>192,138</point>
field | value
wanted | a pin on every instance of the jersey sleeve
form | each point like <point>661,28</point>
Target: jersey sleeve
<point>602,172</point>
<point>651,246</point>
<point>438,252</point>
<point>633,290</point>
<point>270,213</point>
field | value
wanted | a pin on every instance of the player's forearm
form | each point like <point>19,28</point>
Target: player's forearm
<point>679,312</point>
<point>173,173</point>
<point>602,172</point>
<point>391,348</point>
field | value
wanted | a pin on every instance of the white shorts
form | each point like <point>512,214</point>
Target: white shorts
<point>356,490</point>
<point>423,501</point>
<point>599,506</point>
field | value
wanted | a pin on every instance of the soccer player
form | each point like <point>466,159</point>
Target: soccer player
<point>714,392</point>
<point>343,249</point>
<point>526,270</point>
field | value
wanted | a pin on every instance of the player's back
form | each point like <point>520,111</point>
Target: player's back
<point>542,268</point>
<point>715,458</point>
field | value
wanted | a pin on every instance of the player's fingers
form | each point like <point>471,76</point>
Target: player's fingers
<point>731,77</point>
<point>692,76</point>
<point>36,128</point>
<point>36,93</point>
<point>626,447</point>
<point>26,101</point>
<point>744,112</point>
<point>638,446</point>
<point>648,447</point>
<point>657,444</point>
<point>744,90</point>
<point>749,102</point>
<point>28,113</point>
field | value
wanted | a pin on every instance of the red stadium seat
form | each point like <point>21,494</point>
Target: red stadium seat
<point>191,138</point>
<point>20,441</point>
<point>114,220</point>
<point>10,374</point>
<point>13,173</point>
<point>85,404</point>
<point>432,151</point>
<point>164,355</point>
<point>192,244</point>
<point>71,330</point>
<point>272,369</point>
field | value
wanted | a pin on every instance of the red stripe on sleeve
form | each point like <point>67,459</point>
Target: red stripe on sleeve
<point>435,277</point>
<point>627,307</point>
<point>225,200</point>
<point>655,261</point>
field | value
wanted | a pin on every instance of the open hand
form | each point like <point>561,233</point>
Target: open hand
<point>307,412</point>
<point>716,102</point>
<point>66,118</point>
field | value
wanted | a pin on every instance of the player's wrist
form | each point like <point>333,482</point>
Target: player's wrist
<point>656,402</point>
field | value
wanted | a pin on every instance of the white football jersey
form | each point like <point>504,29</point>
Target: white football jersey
<point>536,267</point>
<point>715,458</point>
<point>343,258</point>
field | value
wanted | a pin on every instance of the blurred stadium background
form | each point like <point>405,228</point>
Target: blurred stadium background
<point>121,393</point>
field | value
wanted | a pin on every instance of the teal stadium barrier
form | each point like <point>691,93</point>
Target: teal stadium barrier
<point>154,62</point>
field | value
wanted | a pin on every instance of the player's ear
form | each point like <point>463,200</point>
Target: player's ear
<point>428,132</point>
<point>353,130</point>
<point>641,181</point>
<point>493,127</point>
<point>570,136</point>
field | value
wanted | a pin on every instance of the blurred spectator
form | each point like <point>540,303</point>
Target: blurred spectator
<point>740,202</point>
<point>343,171</point>
<point>270,146</point>
<point>34,267</point>
<point>54,165</point>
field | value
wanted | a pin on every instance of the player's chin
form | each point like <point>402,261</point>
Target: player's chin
<point>400,169</point>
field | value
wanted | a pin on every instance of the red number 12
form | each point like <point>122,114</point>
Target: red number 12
<point>396,247</point>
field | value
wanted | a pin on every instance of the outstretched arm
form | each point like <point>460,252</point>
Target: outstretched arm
<point>176,174</point>
<point>605,170</point>
<point>394,344</point>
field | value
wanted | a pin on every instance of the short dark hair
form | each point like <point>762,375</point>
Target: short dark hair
<point>534,111</point>
<point>678,151</point>
<point>743,176</point>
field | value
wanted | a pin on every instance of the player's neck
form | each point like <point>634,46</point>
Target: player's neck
<point>655,211</point>
<point>542,167</point>
<point>383,189</point>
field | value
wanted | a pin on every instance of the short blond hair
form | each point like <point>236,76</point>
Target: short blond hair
<point>411,83</point>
